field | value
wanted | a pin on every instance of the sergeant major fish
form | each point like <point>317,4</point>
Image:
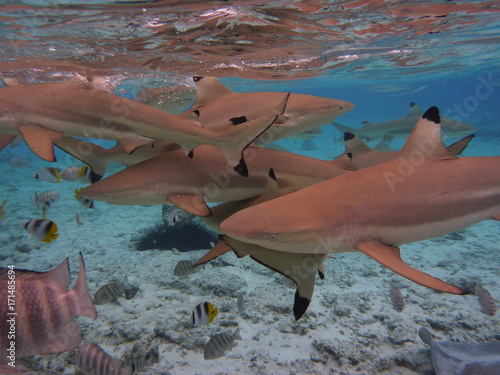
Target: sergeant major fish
<point>221,343</point>
<point>94,360</point>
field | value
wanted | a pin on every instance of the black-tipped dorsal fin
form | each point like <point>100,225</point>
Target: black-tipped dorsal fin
<point>425,139</point>
<point>208,89</point>
<point>415,110</point>
<point>354,145</point>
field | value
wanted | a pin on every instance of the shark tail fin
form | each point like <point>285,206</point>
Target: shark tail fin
<point>89,153</point>
<point>234,140</point>
<point>389,257</point>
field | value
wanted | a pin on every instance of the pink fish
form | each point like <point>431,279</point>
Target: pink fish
<point>37,313</point>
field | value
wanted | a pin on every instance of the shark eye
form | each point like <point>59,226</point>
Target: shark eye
<point>273,236</point>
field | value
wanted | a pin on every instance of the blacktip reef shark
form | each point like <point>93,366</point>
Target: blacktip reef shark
<point>44,112</point>
<point>423,193</point>
<point>300,268</point>
<point>402,127</point>
<point>189,183</point>
<point>218,107</point>
<point>363,156</point>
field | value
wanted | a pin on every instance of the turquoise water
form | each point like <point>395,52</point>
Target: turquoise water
<point>376,55</point>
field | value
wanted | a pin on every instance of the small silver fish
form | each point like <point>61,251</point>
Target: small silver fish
<point>485,300</point>
<point>49,174</point>
<point>78,218</point>
<point>41,198</point>
<point>93,359</point>
<point>221,343</point>
<point>110,292</point>
<point>185,268</point>
<point>240,302</point>
<point>18,162</point>
<point>397,299</point>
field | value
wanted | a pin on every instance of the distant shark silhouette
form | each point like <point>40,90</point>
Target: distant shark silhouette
<point>217,107</point>
<point>424,192</point>
<point>42,113</point>
<point>402,127</point>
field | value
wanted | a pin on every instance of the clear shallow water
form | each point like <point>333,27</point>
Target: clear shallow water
<point>380,57</point>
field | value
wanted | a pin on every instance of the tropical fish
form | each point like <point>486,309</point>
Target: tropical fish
<point>41,198</point>
<point>78,219</point>
<point>18,162</point>
<point>458,358</point>
<point>110,292</point>
<point>2,210</point>
<point>77,109</point>
<point>87,203</point>
<point>94,360</point>
<point>140,361</point>
<point>75,173</point>
<point>217,108</point>
<point>185,268</point>
<point>397,299</point>
<point>221,343</point>
<point>49,174</point>
<point>402,127</point>
<point>43,229</point>
<point>373,210</point>
<point>203,313</point>
<point>45,311</point>
<point>485,299</point>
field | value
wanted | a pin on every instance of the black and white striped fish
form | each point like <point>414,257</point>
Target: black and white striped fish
<point>87,203</point>
<point>397,299</point>
<point>202,314</point>
<point>221,343</point>
<point>93,359</point>
<point>43,229</point>
<point>485,300</point>
<point>185,268</point>
<point>49,174</point>
<point>41,198</point>
<point>110,292</point>
<point>75,173</point>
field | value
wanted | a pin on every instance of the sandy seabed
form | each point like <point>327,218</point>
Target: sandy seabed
<point>349,328</point>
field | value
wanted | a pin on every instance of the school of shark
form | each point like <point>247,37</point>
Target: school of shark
<point>286,211</point>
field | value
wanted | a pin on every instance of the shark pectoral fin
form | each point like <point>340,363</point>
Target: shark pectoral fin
<point>215,252</point>
<point>234,140</point>
<point>300,268</point>
<point>132,142</point>
<point>194,204</point>
<point>5,140</point>
<point>389,257</point>
<point>39,140</point>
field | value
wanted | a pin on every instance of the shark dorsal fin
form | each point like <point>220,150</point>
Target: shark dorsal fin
<point>208,89</point>
<point>425,138</point>
<point>415,111</point>
<point>354,145</point>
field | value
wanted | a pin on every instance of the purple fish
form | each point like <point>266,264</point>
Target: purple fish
<point>92,358</point>
<point>37,313</point>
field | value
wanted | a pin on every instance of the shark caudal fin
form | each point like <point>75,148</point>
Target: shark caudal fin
<point>459,146</point>
<point>89,153</point>
<point>234,140</point>
<point>390,257</point>
<point>300,268</point>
